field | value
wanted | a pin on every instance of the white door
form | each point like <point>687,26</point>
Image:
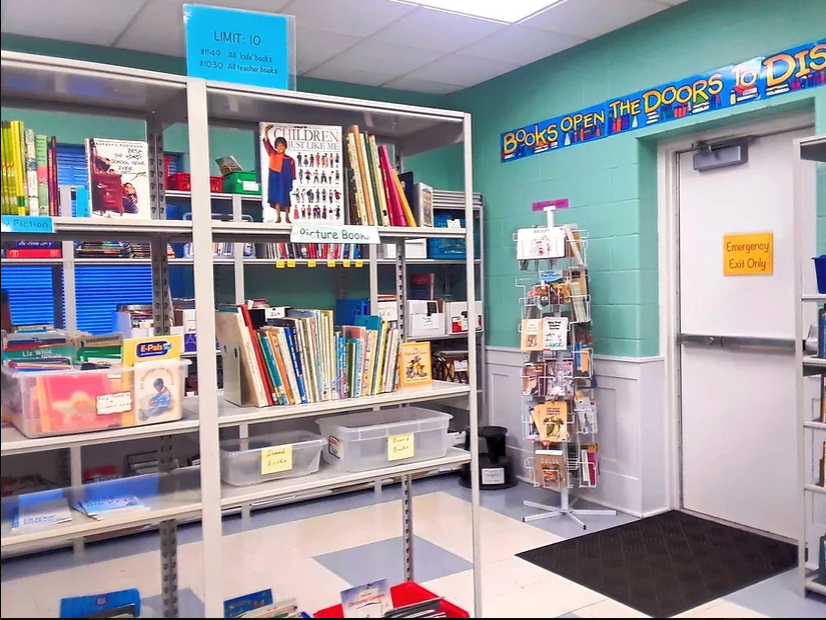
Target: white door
<point>738,415</point>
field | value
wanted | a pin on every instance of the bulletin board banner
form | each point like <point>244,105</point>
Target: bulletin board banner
<point>765,77</point>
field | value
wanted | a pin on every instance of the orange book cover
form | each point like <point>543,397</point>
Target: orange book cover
<point>414,364</point>
<point>532,335</point>
<point>551,420</point>
<point>82,401</point>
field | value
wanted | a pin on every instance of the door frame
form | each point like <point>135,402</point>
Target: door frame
<point>668,212</point>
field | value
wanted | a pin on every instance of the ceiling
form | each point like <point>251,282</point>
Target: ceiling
<point>374,42</point>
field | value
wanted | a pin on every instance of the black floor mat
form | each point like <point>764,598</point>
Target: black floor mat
<point>667,564</point>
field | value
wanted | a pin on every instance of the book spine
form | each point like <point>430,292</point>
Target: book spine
<point>292,344</point>
<point>31,173</point>
<point>275,379</point>
<point>4,159</point>
<point>352,155</point>
<point>283,338</point>
<point>381,194</point>
<point>34,253</point>
<point>389,186</point>
<point>408,212</point>
<point>367,179</point>
<point>261,375</point>
<point>54,197</point>
<point>41,150</point>
<point>16,169</point>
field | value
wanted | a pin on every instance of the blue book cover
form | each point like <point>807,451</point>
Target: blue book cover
<point>370,600</point>
<point>269,357</point>
<point>369,321</point>
<point>86,606</point>
<point>295,358</point>
<point>237,607</point>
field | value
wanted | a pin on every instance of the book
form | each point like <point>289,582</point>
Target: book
<point>101,508</point>
<point>532,336</point>
<point>407,212</point>
<point>550,469</point>
<point>823,398</point>
<point>554,333</point>
<point>54,195</point>
<point>30,159</point>
<point>551,420</point>
<point>384,214</point>
<point>370,188</point>
<point>119,178</point>
<point>81,401</point>
<point>302,173</point>
<point>158,388</point>
<point>559,379</point>
<point>540,243</point>
<point>423,204</point>
<point>40,510</point>
<point>415,364</point>
<point>244,386</point>
<point>422,286</point>
<point>370,600</point>
<point>533,379</point>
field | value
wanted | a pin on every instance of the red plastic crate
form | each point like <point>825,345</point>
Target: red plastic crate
<point>403,594</point>
<point>181,181</point>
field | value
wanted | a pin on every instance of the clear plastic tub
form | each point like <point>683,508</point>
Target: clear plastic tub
<point>62,402</point>
<point>376,439</point>
<point>290,454</point>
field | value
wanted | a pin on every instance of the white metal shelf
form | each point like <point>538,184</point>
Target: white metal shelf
<point>331,477</point>
<point>818,297</point>
<point>462,336</point>
<point>820,426</point>
<point>13,441</point>
<point>177,496</point>
<point>813,586</point>
<point>233,415</point>
<point>813,488</point>
<point>217,260</point>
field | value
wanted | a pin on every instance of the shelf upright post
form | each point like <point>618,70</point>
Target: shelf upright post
<point>401,285</point>
<point>207,364</point>
<point>473,411</point>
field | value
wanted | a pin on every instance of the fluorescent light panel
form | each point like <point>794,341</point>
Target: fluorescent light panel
<point>507,11</point>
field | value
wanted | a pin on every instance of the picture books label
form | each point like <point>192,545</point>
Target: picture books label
<point>276,459</point>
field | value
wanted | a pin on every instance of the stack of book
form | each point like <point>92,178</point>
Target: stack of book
<point>110,507</point>
<point>309,251</point>
<point>29,172</point>
<point>303,357</point>
<point>376,195</point>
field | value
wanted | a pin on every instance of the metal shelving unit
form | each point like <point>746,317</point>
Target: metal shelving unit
<point>35,82</point>
<point>811,432</point>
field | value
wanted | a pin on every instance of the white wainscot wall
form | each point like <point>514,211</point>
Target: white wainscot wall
<point>633,428</point>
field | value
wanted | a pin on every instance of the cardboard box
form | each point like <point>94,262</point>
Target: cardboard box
<point>413,248</point>
<point>457,316</point>
<point>425,318</point>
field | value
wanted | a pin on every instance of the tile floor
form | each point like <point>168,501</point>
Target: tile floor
<point>314,550</point>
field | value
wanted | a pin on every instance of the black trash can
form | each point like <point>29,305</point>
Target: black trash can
<point>496,467</point>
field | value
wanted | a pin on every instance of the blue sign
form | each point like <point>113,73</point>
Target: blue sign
<point>244,47</point>
<point>26,224</point>
<point>761,78</point>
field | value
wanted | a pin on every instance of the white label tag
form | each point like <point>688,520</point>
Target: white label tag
<point>460,365</point>
<point>317,233</point>
<point>109,404</point>
<point>249,186</point>
<point>493,475</point>
<point>454,223</point>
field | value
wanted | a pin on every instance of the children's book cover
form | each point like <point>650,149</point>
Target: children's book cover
<point>119,178</point>
<point>83,401</point>
<point>532,335</point>
<point>158,391</point>
<point>415,363</point>
<point>555,333</point>
<point>302,174</point>
<point>371,600</point>
<point>560,381</point>
<point>151,349</point>
<point>550,468</point>
<point>551,420</point>
<point>533,380</point>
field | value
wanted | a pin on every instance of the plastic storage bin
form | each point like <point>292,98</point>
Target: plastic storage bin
<point>376,439</point>
<point>290,454</point>
<point>450,249</point>
<point>43,403</point>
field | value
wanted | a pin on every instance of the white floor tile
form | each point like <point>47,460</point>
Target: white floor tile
<point>519,603</point>
<point>563,593</point>
<point>608,608</point>
<point>727,609</point>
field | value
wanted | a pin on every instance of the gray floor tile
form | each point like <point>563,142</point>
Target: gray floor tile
<point>778,597</point>
<point>189,605</point>
<point>384,560</point>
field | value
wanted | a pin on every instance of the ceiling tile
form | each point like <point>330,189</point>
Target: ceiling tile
<point>89,21</point>
<point>159,27</point>
<point>437,30</point>
<point>377,57</point>
<point>354,76</point>
<point>461,70</point>
<point>520,45</point>
<point>422,86</point>
<point>357,18</point>
<point>592,18</point>
<point>671,2</point>
<point>314,47</point>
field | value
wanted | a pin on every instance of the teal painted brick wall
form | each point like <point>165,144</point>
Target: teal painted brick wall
<point>612,183</point>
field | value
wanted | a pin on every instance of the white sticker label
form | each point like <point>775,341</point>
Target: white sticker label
<point>318,233</point>
<point>110,404</point>
<point>460,365</point>
<point>454,223</point>
<point>493,475</point>
<point>249,186</point>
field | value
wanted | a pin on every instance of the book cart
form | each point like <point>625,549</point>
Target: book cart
<point>46,83</point>
<point>810,418</point>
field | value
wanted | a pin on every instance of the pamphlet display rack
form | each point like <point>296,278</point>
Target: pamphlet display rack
<point>561,374</point>
<point>46,83</point>
<point>810,152</point>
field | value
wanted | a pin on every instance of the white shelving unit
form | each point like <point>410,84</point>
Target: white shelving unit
<point>35,82</point>
<point>811,432</point>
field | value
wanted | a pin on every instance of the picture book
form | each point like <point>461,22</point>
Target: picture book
<point>247,383</point>
<point>533,380</point>
<point>119,178</point>
<point>585,410</point>
<point>158,390</point>
<point>414,364</point>
<point>81,401</point>
<point>532,335</point>
<point>423,204</point>
<point>550,469</point>
<point>371,600</point>
<point>38,510</point>
<point>560,379</point>
<point>237,607</point>
<point>551,420</point>
<point>554,333</point>
<point>540,243</point>
<point>302,173</point>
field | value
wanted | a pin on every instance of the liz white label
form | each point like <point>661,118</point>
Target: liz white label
<point>493,475</point>
<point>110,404</point>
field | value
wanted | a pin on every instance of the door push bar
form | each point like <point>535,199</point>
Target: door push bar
<point>738,342</point>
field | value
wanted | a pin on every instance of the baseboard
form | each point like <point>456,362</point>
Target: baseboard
<point>597,502</point>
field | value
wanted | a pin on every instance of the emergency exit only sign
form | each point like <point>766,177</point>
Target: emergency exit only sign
<point>748,255</point>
